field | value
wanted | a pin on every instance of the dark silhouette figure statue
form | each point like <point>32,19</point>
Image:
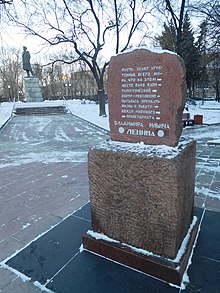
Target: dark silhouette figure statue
<point>26,62</point>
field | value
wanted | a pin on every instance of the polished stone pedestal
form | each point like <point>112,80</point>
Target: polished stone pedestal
<point>159,267</point>
<point>32,90</point>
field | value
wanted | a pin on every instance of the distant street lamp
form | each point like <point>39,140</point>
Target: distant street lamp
<point>9,92</point>
<point>71,92</point>
<point>68,89</point>
<point>19,95</point>
<point>66,86</point>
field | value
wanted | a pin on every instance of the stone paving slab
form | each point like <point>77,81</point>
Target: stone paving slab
<point>36,194</point>
<point>88,272</point>
<point>40,204</point>
<point>16,285</point>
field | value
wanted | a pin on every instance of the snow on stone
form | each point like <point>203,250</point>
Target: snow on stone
<point>205,191</point>
<point>61,136</point>
<point>140,148</point>
<point>81,249</point>
<point>6,110</point>
<point>77,129</point>
<point>185,279</point>
<point>99,236</point>
<point>157,49</point>
<point>215,141</point>
<point>39,104</point>
<point>46,157</point>
<point>42,287</point>
<point>182,249</point>
<point>23,277</point>
<point>25,226</point>
<point>185,241</point>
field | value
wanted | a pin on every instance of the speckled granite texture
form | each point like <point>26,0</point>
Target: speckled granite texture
<point>146,202</point>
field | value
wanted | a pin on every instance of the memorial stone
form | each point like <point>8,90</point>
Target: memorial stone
<point>146,95</point>
<point>142,194</point>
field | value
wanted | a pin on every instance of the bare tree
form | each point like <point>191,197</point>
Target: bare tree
<point>10,73</point>
<point>210,11</point>
<point>87,27</point>
<point>214,73</point>
<point>6,1</point>
<point>174,11</point>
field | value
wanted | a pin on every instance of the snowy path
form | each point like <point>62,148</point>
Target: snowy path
<point>55,138</point>
<point>43,177</point>
<point>207,164</point>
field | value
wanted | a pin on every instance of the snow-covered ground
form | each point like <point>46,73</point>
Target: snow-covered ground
<point>5,112</point>
<point>90,111</point>
<point>210,111</point>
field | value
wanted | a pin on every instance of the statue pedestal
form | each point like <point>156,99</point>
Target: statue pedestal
<point>146,201</point>
<point>32,90</point>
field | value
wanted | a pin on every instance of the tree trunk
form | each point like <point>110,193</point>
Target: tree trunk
<point>217,94</point>
<point>101,97</point>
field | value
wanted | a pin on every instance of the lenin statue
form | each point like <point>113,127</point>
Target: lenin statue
<point>26,62</point>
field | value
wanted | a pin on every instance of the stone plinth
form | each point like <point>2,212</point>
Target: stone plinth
<point>32,90</point>
<point>143,195</point>
<point>162,268</point>
<point>146,97</point>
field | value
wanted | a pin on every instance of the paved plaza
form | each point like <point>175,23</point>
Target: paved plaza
<point>44,199</point>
